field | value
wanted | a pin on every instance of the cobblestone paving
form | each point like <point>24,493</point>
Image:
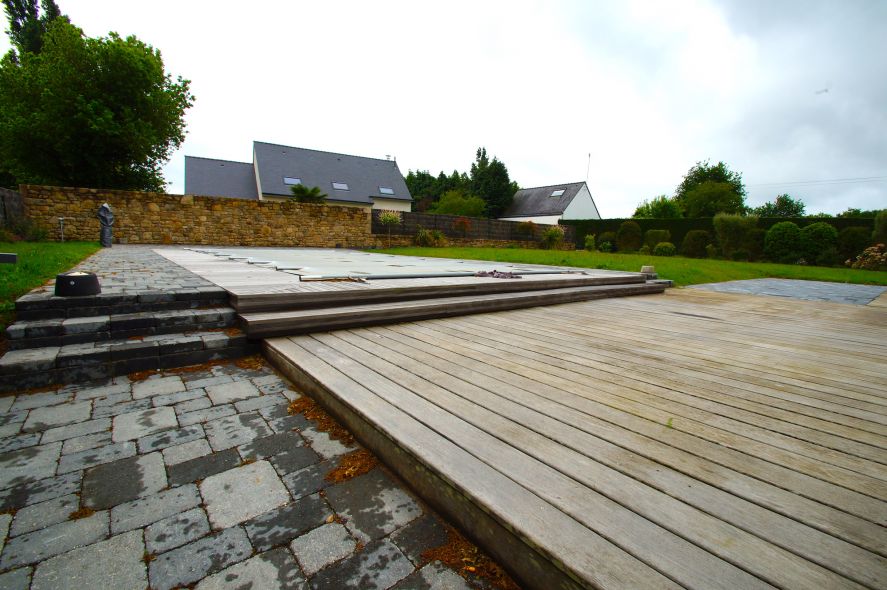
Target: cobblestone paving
<point>795,289</point>
<point>199,479</point>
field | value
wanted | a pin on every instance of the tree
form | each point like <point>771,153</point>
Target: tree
<point>782,206</point>
<point>27,26</point>
<point>490,181</point>
<point>303,194</point>
<point>853,212</point>
<point>709,189</point>
<point>89,112</point>
<point>456,202</point>
<point>661,207</point>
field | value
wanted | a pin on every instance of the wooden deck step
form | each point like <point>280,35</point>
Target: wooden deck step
<point>301,321</point>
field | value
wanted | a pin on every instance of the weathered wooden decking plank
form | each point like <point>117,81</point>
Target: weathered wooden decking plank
<point>774,476</point>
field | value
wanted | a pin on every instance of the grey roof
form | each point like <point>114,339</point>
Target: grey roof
<point>219,178</point>
<point>529,202</point>
<point>364,176</point>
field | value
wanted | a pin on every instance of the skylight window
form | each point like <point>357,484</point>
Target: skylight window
<point>384,190</point>
<point>341,186</point>
<point>557,193</point>
<point>291,180</point>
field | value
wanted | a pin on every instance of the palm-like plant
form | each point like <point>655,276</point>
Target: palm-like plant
<point>303,194</point>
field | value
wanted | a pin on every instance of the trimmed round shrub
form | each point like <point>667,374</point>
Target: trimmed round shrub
<point>754,243</point>
<point>629,238</point>
<point>655,236</point>
<point>645,250</point>
<point>852,241</point>
<point>605,246</point>
<point>607,236</point>
<point>589,242</point>
<point>816,238</point>
<point>783,243</point>
<point>732,231</point>
<point>664,249</point>
<point>695,242</point>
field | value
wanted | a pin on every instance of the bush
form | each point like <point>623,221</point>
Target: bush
<point>873,258</point>
<point>26,229</point>
<point>664,249</point>
<point>303,194</point>
<point>732,231</point>
<point>527,229</point>
<point>456,202</point>
<point>879,236</point>
<point>589,242</point>
<point>829,257</point>
<point>655,236</point>
<point>783,243</point>
<point>605,246</point>
<point>754,243</point>
<point>712,251</point>
<point>430,237</point>
<point>816,238</point>
<point>553,237</point>
<point>852,241</point>
<point>740,255</point>
<point>606,237</point>
<point>645,250</point>
<point>629,238</point>
<point>695,242</point>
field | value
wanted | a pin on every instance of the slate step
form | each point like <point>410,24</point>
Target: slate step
<point>41,305</point>
<point>77,330</point>
<point>283,323</point>
<point>38,367</point>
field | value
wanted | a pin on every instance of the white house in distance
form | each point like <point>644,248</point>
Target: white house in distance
<point>550,204</point>
<point>347,180</point>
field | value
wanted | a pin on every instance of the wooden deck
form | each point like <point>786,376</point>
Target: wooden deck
<point>695,439</point>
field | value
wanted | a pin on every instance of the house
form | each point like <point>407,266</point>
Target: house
<point>550,204</point>
<point>347,180</point>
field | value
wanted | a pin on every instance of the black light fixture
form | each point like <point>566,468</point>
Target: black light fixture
<point>77,284</point>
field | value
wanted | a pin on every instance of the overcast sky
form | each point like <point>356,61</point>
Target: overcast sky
<point>792,94</point>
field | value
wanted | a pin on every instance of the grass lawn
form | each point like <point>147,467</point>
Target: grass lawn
<point>683,271</point>
<point>38,262</point>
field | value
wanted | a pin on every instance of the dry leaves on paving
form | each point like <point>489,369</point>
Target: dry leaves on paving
<point>463,556</point>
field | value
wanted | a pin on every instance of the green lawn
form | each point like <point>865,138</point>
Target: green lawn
<point>38,262</point>
<point>683,271</point>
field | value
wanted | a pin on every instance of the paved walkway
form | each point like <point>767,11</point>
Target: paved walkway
<point>807,290</point>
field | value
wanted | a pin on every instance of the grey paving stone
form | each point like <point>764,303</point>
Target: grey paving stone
<point>75,430</point>
<point>204,382</point>
<point>424,533</point>
<point>206,415</point>
<point>39,491</point>
<point>124,480</point>
<point>200,403</point>
<point>288,423</point>
<point>231,392</point>
<point>5,520</point>
<point>176,530</point>
<point>152,508</point>
<point>50,416</point>
<point>203,467</point>
<point>116,563</point>
<point>240,494</point>
<point>380,565</point>
<point>142,423</point>
<point>17,417</point>
<point>96,456</point>
<point>232,431</point>
<point>19,579</point>
<point>170,399</point>
<point>102,391</point>
<point>261,448</point>
<point>798,289</point>
<point>262,401</point>
<point>28,464</point>
<point>38,516</point>
<point>53,540</point>
<point>194,561</point>
<point>322,546</point>
<point>161,386</point>
<point>6,403</point>
<point>372,505</point>
<point>185,452</point>
<point>11,429</point>
<point>434,576</point>
<point>273,570</point>
<point>28,360</point>
<point>169,438</point>
<point>325,446</point>
<point>14,443</point>
<point>84,443</point>
<point>310,479</point>
<point>86,325</point>
<point>282,525</point>
<point>121,408</point>
<point>294,459</point>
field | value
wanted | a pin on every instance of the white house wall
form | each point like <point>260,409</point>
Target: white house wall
<point>545,219</point>
<point>391,204</point>
<point>582,206</point>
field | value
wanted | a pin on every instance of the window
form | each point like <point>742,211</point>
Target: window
<point>340,186</point>
<point>384,190</point>
<point>291,180</point>
<point>557,193</point>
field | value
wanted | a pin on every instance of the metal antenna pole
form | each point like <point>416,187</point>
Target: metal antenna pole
<point>588,168</point>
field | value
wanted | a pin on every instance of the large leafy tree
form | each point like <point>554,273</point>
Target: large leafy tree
<point>661,207</point>
<point>490,181</point>
<point>708,189</point>
<point>781,206</point>
<point>27,25</point>
<point>456,202</point>
<point>88,112</point>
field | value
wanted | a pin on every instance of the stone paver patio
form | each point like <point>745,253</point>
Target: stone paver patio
<point>197,478</point>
